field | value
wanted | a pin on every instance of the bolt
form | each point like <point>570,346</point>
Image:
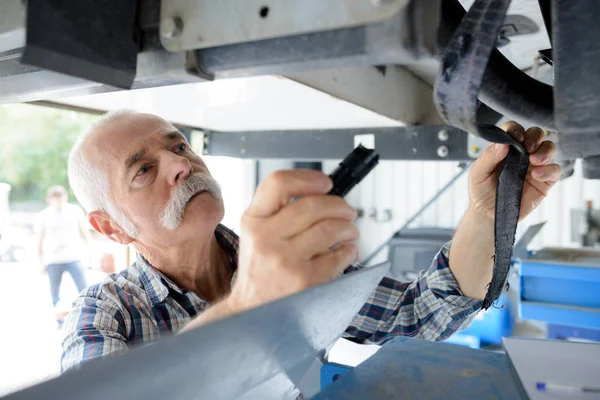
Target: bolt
<point>243,151</point>
<point>415,134</point>
<point>442,151</point>
<point>171,28</point>
<point>443,135</point>
<point>414,150</point>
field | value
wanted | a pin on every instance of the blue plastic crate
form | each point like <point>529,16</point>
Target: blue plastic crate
<point>561,286</point>
<point>488,327</point>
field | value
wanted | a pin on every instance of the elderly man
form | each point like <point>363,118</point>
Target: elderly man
<point>142,185</point>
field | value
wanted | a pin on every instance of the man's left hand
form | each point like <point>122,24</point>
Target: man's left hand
<point>540,178</point>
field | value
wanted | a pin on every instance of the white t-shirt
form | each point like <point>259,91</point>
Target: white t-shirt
<point>62,241</point>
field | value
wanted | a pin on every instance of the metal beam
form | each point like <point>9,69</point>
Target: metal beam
<point>431,142</point>
<point>407,37</point>
<point>257,352</point>
<point>194,24</point>
<point>22,83</point>
<point>392,92</point>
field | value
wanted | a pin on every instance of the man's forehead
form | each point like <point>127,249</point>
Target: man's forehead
<point>130,130</point>
<point>115,141</point>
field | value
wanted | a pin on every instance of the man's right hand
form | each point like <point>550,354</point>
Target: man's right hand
<point>288,247</point>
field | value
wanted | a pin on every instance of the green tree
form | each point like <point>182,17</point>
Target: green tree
<point>35,142</point>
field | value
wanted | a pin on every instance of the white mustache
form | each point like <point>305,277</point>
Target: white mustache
<point>172,215</point>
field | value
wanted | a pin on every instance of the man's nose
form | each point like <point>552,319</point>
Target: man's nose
<point>179,168</point>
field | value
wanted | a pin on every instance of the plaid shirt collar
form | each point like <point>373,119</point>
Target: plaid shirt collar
<point>157,285</point>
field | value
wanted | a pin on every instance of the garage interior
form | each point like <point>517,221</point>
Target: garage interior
<point>273,85</point>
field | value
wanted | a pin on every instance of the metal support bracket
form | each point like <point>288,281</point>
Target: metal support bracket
<point>427,142</point>
<point>195,24</point>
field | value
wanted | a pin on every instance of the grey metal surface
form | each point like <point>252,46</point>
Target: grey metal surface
<point>209,23</point>
<point>576,55</point>
<point>575,146</point>
<point>401,96</point>
<point>476,145</point>
<point>21,83</point>
<point>241,355</point>
<point>591,166</point>
<point>520,250</point>
<point>407,37</point>
<point>12,25</point>
<point>401,143</point>
<point>91,39</point>
<point>582,257</point>
<point>310,384</point>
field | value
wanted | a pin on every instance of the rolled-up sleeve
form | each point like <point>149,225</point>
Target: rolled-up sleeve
<point>94,328</point>
<point>431,307</point>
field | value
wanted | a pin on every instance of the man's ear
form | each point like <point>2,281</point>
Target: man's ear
<point>103,223</point>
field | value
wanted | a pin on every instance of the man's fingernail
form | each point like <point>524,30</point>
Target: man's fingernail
<point>538,173</point>
<point>497,146</point>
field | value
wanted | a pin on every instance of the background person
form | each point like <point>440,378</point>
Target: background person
<point>62,232</point>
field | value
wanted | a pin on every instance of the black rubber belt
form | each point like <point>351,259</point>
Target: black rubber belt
<point>457,85</point>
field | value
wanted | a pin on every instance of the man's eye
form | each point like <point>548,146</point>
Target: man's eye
<point>144,170</point>
<point>180,148</point>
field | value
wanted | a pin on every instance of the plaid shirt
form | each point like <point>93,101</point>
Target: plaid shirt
<point>140,305</point>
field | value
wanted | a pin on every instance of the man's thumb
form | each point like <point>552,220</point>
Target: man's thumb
<point>487,162</point>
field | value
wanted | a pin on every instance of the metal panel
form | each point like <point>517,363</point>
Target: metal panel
<point>570,146</point>
<point>194,24</point>
<point>576,53</point>
<point>228,358</point>
<point>401,96</point>
<point>408,36</point>
<point>22,83</point>
<point>12,25</point>
<point>402,143</point>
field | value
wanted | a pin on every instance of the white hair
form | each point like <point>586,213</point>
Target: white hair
<point>172,215</point>
<point>90,183</point>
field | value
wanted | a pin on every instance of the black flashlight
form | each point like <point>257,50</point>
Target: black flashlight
<point>353,169</point>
